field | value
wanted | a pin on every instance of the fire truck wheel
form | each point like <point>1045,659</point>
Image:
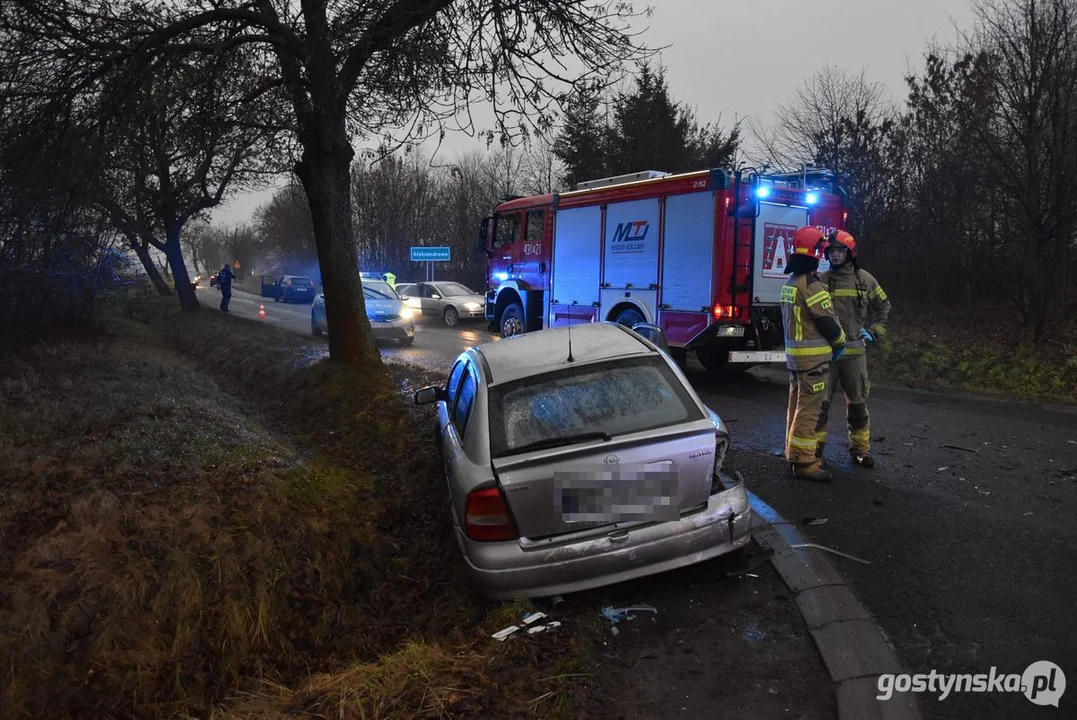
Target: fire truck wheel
<point>629,317</point>
<point>512,320</point>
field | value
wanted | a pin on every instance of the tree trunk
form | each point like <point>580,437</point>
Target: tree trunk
<point>325,171</point>
<point>174,252</point>
<point>142,249</point>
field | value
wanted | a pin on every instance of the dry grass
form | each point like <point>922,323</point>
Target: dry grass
<point>982,351</point>
<point>199,516</point>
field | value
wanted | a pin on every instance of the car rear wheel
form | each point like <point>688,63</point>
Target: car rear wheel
<point>512,320</point>
<point>451,316</point>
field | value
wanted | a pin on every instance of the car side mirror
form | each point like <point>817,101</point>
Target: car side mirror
<point>435,296</point>
<point>428,395</point>
<point>652,333</point>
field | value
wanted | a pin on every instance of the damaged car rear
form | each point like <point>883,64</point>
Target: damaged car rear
<point>575,467</point>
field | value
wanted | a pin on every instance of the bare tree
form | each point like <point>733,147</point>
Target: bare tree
<point>1027,76</point>
<point>350,69</point>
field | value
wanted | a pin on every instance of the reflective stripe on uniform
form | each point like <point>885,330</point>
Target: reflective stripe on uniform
<point>802,443</point>
<point>799,330</point>
<point>878,292</point>
<point>808,351</point>
<point>850,351</point>
<point>817,298</point>
<point>858,436</point>
<point>845,292</point>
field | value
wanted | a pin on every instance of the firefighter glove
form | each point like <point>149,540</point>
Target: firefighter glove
<point>866,335</point>
<point>838,352</point>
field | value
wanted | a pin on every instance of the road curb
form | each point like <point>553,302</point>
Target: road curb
<point>854,647</point>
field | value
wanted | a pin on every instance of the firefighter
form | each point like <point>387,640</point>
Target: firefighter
<point>863,309</point>
<point>813,338</point>
<point>224,284</point>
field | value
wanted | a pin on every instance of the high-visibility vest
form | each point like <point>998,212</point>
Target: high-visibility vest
<point>391,279</point>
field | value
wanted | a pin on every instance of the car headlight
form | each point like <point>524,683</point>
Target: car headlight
<point>472,306</point>
<point>406,313</point>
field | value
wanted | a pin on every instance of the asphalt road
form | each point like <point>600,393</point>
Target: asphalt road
<point>972,550</point>
<point>435,346</point>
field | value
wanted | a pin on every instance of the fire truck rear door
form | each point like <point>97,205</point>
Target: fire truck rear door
<point>774,229</point>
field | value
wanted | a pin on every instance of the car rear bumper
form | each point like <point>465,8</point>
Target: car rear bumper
<point>502,570</point>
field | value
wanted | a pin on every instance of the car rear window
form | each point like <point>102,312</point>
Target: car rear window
<point>618,397</point>
<point>306,282</point>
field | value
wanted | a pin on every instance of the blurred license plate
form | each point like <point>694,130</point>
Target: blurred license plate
<point>623,493</point>
<point>380,324</point>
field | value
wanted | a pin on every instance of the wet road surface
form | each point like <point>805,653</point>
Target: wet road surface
<point>973,549</point>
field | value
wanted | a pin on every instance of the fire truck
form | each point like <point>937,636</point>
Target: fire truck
<point>700,254</point>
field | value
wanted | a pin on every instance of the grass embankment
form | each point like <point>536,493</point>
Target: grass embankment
<point>199,515</point>
<point>976,352</point>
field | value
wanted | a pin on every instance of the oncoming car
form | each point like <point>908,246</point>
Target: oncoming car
<point>389,318</point>
<point>572,469</point>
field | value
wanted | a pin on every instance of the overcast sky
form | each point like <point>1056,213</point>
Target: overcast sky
<point>741,59</point>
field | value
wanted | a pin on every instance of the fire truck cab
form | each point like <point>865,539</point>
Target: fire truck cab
<point>700,254</point>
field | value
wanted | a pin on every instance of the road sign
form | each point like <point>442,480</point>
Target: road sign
<point>430,254</point>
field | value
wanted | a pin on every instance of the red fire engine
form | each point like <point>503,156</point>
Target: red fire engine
<point>701,254</point>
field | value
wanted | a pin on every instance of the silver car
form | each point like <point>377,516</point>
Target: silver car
<point>575,466</point>
<point>449,301</point>
<point>389,318</point>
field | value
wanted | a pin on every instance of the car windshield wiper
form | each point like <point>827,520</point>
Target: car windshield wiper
<point>557,442</point>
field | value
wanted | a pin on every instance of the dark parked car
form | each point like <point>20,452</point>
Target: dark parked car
<point>295,287</point>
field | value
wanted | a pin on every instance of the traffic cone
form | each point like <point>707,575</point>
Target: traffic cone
<point>261,311</point>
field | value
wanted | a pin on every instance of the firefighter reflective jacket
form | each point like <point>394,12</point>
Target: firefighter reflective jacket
<point>860,302</point>
<point>812,330</point>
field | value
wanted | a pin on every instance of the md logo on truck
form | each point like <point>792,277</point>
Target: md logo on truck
<point>628,237</point>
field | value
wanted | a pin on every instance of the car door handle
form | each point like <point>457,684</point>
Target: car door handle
<point>618,536</point>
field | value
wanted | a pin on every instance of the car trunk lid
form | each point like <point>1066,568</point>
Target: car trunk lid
<point>647,476</point>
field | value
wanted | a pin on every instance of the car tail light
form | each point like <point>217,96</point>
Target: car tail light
<point>487,516</point>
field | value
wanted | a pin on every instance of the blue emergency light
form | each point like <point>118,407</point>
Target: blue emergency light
<point>762,191</point>
<point>811,198</point>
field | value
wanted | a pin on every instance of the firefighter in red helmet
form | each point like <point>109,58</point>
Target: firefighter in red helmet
<point>863,309</point>
<point>813,339</point>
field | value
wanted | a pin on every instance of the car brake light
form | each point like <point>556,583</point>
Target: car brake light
<point>487,517</point>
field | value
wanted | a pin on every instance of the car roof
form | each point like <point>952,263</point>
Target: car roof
<point>540,352</point>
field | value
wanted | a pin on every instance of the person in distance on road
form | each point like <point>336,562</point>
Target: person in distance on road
<point>863,309</point>
<point>813,338</point>
<point>224,282</point>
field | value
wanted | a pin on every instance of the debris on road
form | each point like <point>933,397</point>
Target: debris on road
<point>542,628</point>
<point>500,635</point>
<point>918,437</point>
<point>615,615</point>
<point>943,468</point>
<point>958,447</point>
<point>814,521</point>
<point>533,617</point>
<point>830,550</point>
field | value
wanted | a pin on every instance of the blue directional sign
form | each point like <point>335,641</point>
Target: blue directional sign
<point>430,254</point>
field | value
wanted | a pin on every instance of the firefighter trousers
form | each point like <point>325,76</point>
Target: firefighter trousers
<point>851,372</point>
<point>807,394</point>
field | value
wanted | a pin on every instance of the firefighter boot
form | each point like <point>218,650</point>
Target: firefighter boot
<point>813,472</point>
<point>864,460</point>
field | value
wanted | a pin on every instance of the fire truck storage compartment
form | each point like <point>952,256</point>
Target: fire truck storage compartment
<point>630,263</point>
<point>688,253</point>
<point>577,248</point>
<point>774,230</point>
